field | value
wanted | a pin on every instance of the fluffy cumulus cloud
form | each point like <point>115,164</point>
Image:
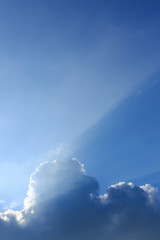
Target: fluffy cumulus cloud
<point>63,203</point>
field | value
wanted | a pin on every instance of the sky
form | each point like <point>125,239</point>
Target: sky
<point>79,79</point>
<point>125,142</point>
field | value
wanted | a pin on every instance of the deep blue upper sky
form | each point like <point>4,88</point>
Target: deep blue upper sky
<point>69,66</point>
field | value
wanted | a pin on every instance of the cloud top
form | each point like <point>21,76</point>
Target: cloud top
<point>64,203</point>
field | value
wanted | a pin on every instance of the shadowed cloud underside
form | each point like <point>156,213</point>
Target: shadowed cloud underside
<point>63,202</point>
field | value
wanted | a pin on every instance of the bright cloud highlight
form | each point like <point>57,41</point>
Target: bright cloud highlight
<point>64,203</point>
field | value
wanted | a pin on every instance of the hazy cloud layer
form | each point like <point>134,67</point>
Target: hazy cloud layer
<point>63,203</point>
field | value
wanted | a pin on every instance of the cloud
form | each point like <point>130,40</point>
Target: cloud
<point>64,203</point>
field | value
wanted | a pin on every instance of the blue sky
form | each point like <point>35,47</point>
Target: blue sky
<point>78,79</point>
<point>125,143</point>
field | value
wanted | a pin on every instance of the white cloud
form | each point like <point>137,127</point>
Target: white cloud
<point>63,203</point>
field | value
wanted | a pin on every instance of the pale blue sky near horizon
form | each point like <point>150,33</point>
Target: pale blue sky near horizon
<point>64,66</point>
